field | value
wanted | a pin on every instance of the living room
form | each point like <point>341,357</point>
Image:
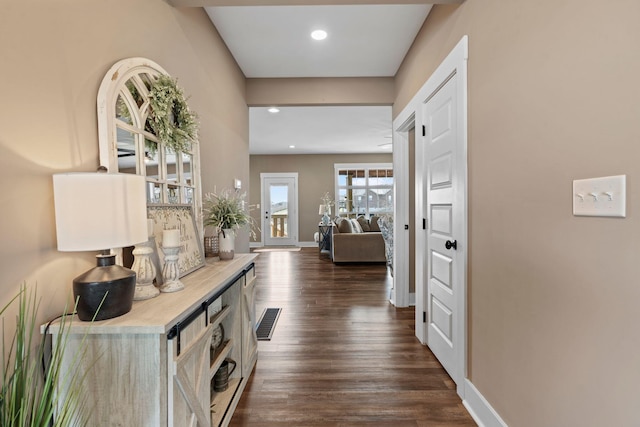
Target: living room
<point>552,98</point>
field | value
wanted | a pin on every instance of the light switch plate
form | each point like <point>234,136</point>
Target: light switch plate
<point>604,196</point>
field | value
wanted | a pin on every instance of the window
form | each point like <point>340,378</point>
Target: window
<point>364,189</point>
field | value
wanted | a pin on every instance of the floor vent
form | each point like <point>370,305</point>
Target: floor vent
<point>267,323</point>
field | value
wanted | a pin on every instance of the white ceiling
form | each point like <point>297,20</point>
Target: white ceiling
<point>320,130</point>
<point>363,41</point>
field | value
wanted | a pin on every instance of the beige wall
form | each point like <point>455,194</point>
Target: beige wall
<point>321,91</point>
<point>54,55</point>
<point>315,177</point>
<point>553,298</point>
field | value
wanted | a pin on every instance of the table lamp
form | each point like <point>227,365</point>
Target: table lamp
<point>325,211</point>
<point>97,212</point>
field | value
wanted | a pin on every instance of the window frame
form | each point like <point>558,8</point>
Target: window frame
<point>366,168</point>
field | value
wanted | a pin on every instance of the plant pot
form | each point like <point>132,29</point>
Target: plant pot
<point>226,244</point>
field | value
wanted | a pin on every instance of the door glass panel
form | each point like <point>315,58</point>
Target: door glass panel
<point>279,197</point>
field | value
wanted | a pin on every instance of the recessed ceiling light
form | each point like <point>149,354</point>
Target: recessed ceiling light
<point>292,146</point>
<point>273,110</point>
<point>319,35</point>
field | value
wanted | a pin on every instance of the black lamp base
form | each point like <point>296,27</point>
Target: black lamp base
<point>105,291</point>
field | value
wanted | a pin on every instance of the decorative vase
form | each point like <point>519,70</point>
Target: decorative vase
<point>226,244</point>
<point>326,220</point>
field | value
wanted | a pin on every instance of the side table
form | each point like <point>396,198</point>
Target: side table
<point>324,239</point>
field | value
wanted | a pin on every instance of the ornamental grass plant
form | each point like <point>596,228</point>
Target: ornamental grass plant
<point>227,211</point>
<point>30,394</point>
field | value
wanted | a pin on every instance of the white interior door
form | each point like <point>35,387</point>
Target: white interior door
<point>279,209</point>
<point>445,206</point>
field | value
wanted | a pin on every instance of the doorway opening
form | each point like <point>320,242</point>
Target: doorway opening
<point>279,209</point>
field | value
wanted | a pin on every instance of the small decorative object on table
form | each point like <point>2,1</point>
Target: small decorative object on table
<point>171,271</point>
<point>226,212</point>
<point>217,338</point>
<point>325,208</point>
<point>227,239</point>
<point>221,378</point>
<point>211,246</point>
<point>144,268</point>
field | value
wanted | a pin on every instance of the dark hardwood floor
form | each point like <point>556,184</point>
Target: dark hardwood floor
<point>341,354</point>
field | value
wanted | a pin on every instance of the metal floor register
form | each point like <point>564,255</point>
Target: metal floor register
<point>267,323</point>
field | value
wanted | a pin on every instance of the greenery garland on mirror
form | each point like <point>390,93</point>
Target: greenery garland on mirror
<point>172,121</point>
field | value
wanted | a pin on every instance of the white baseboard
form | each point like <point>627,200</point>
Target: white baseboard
<point>412,299</point>
<point>479,409</point>
<point>301,244</point>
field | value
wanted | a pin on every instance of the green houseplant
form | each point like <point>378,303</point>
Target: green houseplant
<point>29,397</point>
<point>227,212</point>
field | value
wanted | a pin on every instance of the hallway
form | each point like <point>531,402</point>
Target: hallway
<point>341,354</point>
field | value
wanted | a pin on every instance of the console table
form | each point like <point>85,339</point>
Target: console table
<point>154,366</point>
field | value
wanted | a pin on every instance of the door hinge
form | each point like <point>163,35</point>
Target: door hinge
<point>424,130</point>
<point>424,223</point>
<point>424,317</point>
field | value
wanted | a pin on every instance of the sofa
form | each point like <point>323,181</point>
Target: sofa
<point>357,240</point>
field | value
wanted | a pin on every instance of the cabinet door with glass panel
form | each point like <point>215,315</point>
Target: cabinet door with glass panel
<point>128,143</point>
<point>364,189</point>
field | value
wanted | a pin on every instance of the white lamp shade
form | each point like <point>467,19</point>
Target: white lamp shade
<point>98,211</point>
<point>324,209</point>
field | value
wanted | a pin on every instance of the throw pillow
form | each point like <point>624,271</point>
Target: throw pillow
<point>355,225</point>
<point>364,224</point>
<point>373,224</point>
<point>344,225</point>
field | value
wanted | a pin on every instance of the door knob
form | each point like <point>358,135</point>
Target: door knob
<point>449,244</point>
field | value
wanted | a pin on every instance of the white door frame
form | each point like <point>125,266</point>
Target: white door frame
<point>400,296</point>
<point>293,210</point>
<point>455,62</point>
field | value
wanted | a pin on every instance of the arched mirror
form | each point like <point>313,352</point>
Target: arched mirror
<point>128,143</point>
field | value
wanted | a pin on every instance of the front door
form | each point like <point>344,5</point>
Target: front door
<point>279,209</point>
<point>445,186</point>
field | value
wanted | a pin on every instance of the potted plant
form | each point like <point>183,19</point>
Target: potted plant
<point>227,212</point>
<point>29,397</point>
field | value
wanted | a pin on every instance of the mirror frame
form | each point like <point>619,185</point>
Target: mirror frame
<point>114,85</point>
